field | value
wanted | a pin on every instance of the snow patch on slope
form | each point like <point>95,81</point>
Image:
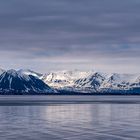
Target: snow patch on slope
<point>61,79</point>
<point>91,81</point>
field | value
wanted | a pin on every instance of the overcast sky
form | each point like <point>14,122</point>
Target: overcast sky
<point>46,35</point>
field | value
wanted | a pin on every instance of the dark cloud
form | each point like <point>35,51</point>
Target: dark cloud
<point>61,30</point>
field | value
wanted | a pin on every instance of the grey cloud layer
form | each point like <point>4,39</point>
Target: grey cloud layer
<point>81,29</point>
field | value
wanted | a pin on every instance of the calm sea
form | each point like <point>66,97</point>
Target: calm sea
<point>70,121</point>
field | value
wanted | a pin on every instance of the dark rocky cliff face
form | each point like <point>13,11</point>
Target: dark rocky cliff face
<point>13,81</point>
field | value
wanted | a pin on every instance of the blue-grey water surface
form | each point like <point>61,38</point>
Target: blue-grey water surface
<point>93,121</point>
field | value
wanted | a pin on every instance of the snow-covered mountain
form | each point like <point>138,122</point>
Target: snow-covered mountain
<point>13,81</point>
<point>63,78</point>
<point>30,72</point>
<point>120,81</point>
<point>28,81</point>
<point>91,81</point>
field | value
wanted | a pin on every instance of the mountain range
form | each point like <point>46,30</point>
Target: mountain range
<point>25,81</point>
<point>93,82</point>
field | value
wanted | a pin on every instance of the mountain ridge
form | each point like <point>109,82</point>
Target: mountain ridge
<point>70,81</point>
<point>12,81</point>
<point>93,81</point>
